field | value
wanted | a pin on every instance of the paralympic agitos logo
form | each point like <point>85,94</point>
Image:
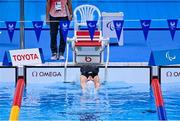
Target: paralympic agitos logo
<point>46,74</point>
<point>110,25</point>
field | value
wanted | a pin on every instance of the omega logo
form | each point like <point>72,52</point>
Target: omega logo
<point>172,74</point>
<point>46,74</point>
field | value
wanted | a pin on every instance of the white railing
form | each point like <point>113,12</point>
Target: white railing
<point>66,62</point>
<point>106,64</point>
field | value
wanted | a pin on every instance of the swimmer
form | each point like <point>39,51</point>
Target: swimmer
<point>89,73</point>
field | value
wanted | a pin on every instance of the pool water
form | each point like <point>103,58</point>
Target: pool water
<point>6,99</point>
<point>171,95</point>
<point>66,101</point>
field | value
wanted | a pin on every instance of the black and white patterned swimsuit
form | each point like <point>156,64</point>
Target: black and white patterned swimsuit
<point>89,70</point>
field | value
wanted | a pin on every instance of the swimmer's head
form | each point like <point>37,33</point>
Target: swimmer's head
<point>90,78</point>
<point>90,75</point>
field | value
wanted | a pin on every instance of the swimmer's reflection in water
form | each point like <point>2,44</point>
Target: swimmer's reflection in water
<point>89,73</point>
<point>88,117</point>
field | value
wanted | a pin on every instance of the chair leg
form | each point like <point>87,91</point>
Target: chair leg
<point>102,57</point>
<point>74,61</point>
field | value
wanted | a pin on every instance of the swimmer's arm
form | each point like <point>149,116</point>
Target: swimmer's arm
<point>83,86</point>
<point>97,82</point>
<point>83,80</point>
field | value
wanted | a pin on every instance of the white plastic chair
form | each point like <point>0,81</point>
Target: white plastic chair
<point>84,13</point>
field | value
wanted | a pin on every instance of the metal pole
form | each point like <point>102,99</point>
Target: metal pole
<point>22,24</point>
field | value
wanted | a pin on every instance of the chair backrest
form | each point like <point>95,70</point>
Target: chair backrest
<point>83,13</point>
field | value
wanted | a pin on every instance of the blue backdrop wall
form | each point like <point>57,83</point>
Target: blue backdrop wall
<point>133,9</point>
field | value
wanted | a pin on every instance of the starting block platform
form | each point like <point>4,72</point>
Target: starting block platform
<point>59,73</point>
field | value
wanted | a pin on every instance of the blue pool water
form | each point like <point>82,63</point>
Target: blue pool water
<point>171,95</point>
<point>65,101</point>
<point>6,99</point>
<point>60,101</point>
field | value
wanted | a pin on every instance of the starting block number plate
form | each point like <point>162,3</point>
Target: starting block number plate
<point>88,59</point>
